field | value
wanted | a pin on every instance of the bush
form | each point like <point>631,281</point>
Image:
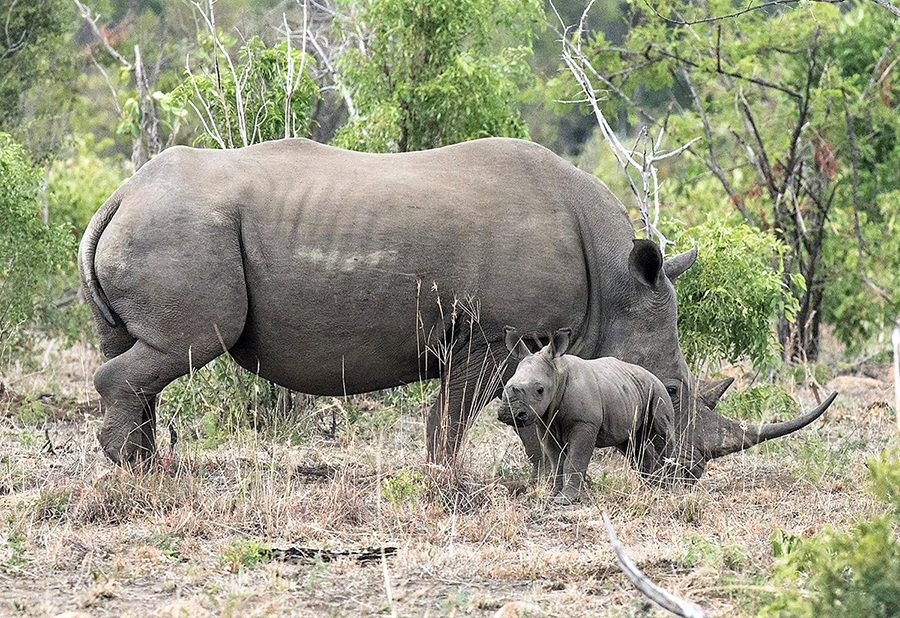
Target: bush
<point>30,252</point>
<point>759,403</point>
<point>845,574</point>
<point>80,183</point>
<point>728,301</point>
<point>257,100</point>
<point>436,72</point>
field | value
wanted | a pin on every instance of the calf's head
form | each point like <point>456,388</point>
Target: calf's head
<point>537,383</point>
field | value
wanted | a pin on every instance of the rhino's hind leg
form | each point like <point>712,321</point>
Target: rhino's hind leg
<point>467,386</point>
<point>128,385</point>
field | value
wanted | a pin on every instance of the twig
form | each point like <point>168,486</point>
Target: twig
<point>664,599</point>
<point>747,9</point>
<point>713,163</point>
<point>112,89</point>
<point>92,23</point>
<point>212,129</point>
<point>753,80</point>
<point>12,48</point>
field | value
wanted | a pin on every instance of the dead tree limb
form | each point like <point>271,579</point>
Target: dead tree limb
<point>890,7</point>
<point>747,9</point>
<point>665,600</point>
<point>638,163</point>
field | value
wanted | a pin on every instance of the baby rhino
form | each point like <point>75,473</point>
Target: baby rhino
<point>583,404</point>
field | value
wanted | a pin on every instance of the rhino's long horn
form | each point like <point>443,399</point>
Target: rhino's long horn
<point>723,436</point>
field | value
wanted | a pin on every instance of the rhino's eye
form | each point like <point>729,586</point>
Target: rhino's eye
<point>540,390</point>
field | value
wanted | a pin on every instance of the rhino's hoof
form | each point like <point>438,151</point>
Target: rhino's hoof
<point>128,454</point>
<point>564,499</point>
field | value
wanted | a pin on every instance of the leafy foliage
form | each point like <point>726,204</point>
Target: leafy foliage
<point>427,74</point>
<point>728,299</point>
<point>79,183</point>
<point>845,574</point>
<point>30,252</point>
<point>859,311</point>
<point>31,50</point>
<point>759,402</point>
<point>797,108</point>
<point>267,94</point>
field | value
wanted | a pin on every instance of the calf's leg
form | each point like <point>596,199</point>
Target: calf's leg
<point>579,446</point>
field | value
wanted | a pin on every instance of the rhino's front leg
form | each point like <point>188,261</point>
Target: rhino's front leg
<point>578,448</point>
<point>465,386</point>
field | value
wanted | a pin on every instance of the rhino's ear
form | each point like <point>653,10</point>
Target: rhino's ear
<point>680,263</point>
<point>710,391</point>
<point>514,343</point>
<point>559,342</point>
<point>645,262</point>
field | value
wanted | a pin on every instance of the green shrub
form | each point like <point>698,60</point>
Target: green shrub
<point>846,574</point>
<point>436,72</point>
<point>758,403</point>
<point>30,252</point>
<point>80,183</point>
<point>404,487</point>
<point>245,554</point>
<point>729,299</point>
<point>262,73</point>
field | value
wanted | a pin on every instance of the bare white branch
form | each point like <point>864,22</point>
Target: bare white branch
<point>92,23</point>
<point>638,163</point>
<point>211,128</point>
<point>666,600</point>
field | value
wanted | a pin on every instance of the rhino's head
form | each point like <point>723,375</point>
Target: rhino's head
<point>536,384</point>
<point>640,326</point>
<point>643,330</point>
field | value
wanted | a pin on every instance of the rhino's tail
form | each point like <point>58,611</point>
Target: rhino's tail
<point>86,251</point>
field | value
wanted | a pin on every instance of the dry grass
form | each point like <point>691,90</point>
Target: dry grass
<point>194,539</point>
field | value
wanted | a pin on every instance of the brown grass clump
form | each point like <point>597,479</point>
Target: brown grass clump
<point>201,535</point>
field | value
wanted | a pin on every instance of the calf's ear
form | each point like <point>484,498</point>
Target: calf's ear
<point>559,342</point>
<point>645,262</point>
<point>514,343</point>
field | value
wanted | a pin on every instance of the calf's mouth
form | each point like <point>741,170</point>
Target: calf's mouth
<point>515,414</point>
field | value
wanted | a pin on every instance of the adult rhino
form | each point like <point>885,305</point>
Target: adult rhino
<point>333,272</point>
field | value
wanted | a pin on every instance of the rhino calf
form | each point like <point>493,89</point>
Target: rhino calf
<point>583,404</point>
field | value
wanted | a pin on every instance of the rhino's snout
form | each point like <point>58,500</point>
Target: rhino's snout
<point>515,413</point>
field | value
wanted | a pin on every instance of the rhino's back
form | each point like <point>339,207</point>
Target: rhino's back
<point>613,394</point>
<point>347,255</point>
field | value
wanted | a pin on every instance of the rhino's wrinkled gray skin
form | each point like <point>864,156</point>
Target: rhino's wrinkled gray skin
<point>334,272</point>
<point>582,404</point>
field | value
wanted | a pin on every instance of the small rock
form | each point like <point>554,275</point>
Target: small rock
<point>181,609</point>
<point>519,609</point>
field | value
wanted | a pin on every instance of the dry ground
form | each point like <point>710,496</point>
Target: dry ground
<point>196,539</point>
